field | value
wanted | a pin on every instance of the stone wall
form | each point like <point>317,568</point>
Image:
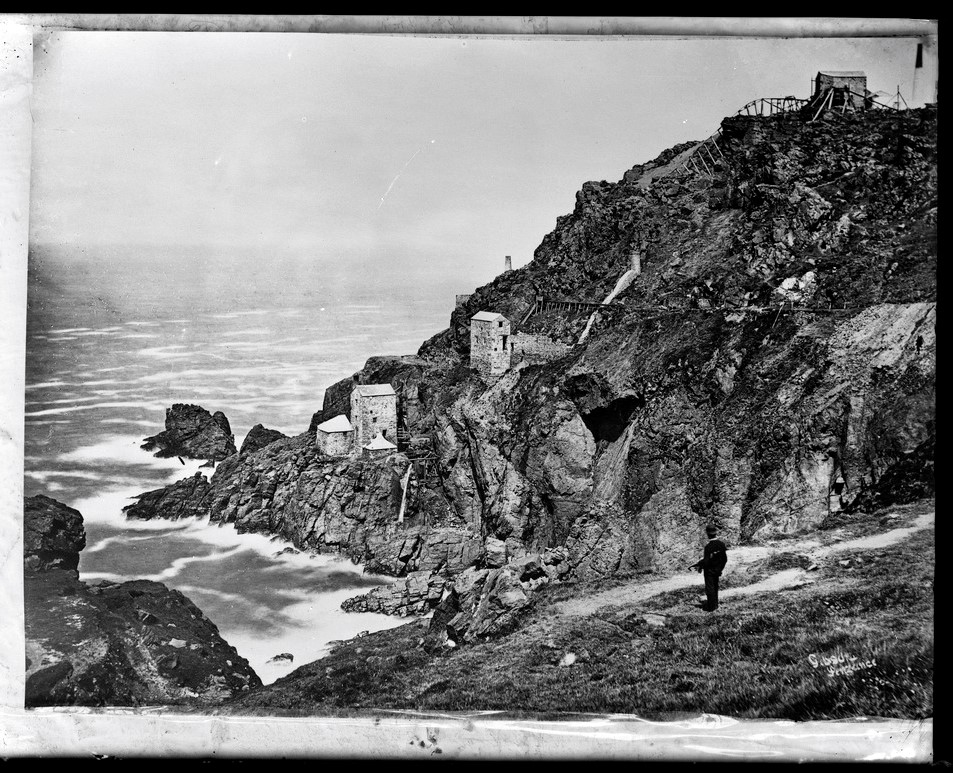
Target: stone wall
<point>334,443</point>
<point>530,346</point>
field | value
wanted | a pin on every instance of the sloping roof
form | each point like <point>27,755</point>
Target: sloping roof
<point>487,316</point>
<point>379,443</point>
<point>337,424</point>
<point>374,390</point>
<point>844,73</point>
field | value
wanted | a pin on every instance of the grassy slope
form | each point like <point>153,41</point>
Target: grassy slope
<point>750,659</point>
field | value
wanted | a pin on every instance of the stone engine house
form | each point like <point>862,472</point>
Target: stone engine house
<point>490,344</point>
<point>373,412</point>
<point>335,437</point>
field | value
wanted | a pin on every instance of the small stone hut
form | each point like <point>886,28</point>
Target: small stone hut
<point>378,447</point>
<point>335,437</point>
<point>490,345</point>
<point>373,412</point>
<point>849,86</point>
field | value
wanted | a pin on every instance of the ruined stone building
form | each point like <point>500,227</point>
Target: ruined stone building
<point>335,437</point>
<point>490,346</point>
<point>373,412</point>
<point>849,87</point>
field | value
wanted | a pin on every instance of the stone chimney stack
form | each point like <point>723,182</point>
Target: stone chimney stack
<point>637,262</point>
<point>508,265</point>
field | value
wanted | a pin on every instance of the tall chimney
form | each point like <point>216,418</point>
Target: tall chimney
<point>637,262</point>
<point>916,97</point>
<point>508,265</point>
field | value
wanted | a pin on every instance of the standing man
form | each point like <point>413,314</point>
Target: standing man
<point>712,565</point>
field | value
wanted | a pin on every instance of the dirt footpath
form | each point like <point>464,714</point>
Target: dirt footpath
<point>739,560</point>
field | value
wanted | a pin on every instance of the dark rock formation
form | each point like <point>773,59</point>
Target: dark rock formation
<point>186,498</point>
<point>194,433</point>
<point>488,602</point>
<point>258,437</point>
<point>126,644</point>
<point>53,535</point>
<point>415,594</point>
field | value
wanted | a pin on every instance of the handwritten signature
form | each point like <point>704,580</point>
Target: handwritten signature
<point>840,663</point>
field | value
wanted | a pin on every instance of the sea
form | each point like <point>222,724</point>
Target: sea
<point>115,339</point>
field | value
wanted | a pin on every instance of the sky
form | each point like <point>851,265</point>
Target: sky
<point>419,154</point>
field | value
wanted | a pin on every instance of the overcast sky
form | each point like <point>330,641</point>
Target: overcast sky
<point>443,152</point>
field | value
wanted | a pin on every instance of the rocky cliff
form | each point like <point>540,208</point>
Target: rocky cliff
<point>113,644</point>
<point>773,362</point>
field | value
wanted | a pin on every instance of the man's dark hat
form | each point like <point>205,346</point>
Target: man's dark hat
<point>711,530</point>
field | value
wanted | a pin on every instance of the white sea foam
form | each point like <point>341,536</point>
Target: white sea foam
<point>317,621</point>
<point>178,564</point>
<point>255,331</point>
<point>137,422</point>
<point>46,385</point>
<point>107,576</point>
<point>69,330</point>
<point>166,352</point>
<point>237,314</point>
<point>126,538</point>
<point>106,507</point>
<point>106,331</point>
<point>64,401</point>
<point>176,376</point>
<point>72,409</point>
<point>44,475</point>
<point>126,449</point>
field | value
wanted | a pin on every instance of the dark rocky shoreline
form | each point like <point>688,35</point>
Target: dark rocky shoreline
<point>134,643</point>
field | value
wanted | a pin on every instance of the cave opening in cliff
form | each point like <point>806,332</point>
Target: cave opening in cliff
<point>608,422</point>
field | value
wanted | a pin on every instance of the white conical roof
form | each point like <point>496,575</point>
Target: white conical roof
<point>337,424</point>
<point>379,443</point>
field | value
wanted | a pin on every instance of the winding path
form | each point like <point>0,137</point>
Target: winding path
<point>740,558</point>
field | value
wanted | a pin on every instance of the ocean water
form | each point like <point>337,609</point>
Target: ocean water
<point>112,342</point>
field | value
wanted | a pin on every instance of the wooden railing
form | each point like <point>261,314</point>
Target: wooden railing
<point>771,106</point>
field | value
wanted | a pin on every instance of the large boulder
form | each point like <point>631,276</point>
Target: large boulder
<point>194,433</point>
<point>53,534</point>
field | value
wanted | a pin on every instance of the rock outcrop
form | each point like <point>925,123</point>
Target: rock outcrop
<point>193,433</point>
<point>186,498</point>
<point>488,602</point>
<point>773,362</point>
<point>53,535</point>
<point>258,437</point>
<point>113,644</point>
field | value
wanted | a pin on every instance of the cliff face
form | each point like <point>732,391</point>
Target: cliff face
<point>113,644</point>
<point>773,362</point>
